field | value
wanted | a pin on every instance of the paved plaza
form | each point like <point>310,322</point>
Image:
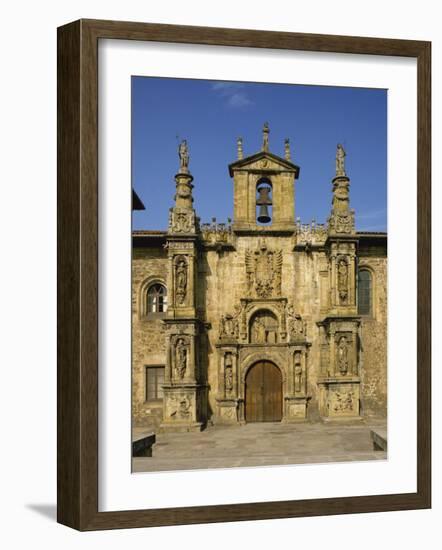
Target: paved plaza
<point>260,444</point>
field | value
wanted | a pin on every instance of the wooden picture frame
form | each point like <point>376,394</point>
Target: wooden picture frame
<point>77,462</point>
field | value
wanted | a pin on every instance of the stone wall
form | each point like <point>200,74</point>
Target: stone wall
<point>148,334</point>
<point>222,282</point>
<point>374,342</point>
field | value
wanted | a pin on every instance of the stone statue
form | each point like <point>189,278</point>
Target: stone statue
<point>229,326</point>
<point>343,355</point>
<point>180,357</point>
<point>296,325</point>
<point>265,137</point>
<point>181,280</point>
<point>287,149</point>
<point>342,280</point>
<point>228,373</point>
<point>340,161</point>
<point>260,331</point>
<point>240,149</point>
<point>298,372</point>
<point>183,153</point>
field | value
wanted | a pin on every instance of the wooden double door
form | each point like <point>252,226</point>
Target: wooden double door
<point>263,399</point>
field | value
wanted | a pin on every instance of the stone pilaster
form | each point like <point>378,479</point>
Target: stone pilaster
<point>339,384</point>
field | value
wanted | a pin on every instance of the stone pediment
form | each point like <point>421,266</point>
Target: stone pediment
<point>264,162</point>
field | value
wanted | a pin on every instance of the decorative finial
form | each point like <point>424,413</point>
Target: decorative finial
<point>265,137</point>
<point>287,149</point>
<point>240,150</point>
<point>340,161</point>
<point>183,153</point>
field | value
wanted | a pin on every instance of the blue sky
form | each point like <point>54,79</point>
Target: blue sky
<point>211,115</point>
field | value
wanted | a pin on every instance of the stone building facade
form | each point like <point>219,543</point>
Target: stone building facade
<point>261,318</point>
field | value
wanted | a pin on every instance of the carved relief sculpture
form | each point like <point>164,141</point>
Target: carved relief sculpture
<point>343,280</point>
<point>342,223</point>
<point>181,222</point>
<point>181,279</point>
<point>343,355</point>
<point>181,407</point>
<point>263,269</point>
<point>344,401</point>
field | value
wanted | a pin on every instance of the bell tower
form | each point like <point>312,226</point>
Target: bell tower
<point>264,189</point>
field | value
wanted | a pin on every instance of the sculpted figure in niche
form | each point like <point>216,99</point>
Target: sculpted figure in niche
<point>343,280</point>
<point>343,355</point>
<point>181,357</point>
<point>264,328</point>
<point>181,280</point>
<point>229,326</point>
<point>260,332</point>
<point>228,373</point>
<point>298,372</point>
<point>295,324</point>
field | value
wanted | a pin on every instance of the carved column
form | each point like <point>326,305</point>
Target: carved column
<point>184,389</point>
<point>339,383</point>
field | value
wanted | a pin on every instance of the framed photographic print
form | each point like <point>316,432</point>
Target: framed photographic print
<point>244,275</point>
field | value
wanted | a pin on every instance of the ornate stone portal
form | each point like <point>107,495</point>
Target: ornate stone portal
<point>262,329</point>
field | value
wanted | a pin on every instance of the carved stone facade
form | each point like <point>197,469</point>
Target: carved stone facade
<point>241,294</point>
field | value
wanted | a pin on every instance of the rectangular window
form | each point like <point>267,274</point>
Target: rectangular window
<point>154,383</point>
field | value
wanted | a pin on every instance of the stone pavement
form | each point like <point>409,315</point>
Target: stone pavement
<point>260,444</point>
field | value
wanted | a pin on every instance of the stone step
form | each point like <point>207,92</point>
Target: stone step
<point>194,463</point>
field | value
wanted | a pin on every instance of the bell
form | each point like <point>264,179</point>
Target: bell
<point>263,202</point>
<point>263,214</point>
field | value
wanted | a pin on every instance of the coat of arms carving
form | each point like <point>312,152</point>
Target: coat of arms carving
<point>263,268</point>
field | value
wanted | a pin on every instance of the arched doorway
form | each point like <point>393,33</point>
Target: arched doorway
<point>263,402</point>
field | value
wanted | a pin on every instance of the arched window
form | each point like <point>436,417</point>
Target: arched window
<point>156,299</point>
<point>365,292</point>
